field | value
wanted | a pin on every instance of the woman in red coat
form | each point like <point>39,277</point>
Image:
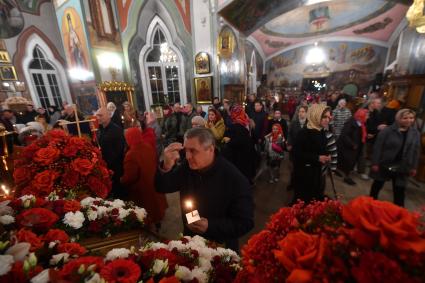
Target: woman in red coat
<point>140,165</point>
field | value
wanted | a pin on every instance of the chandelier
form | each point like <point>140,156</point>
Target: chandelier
<point>167,55</point>
<point>415,15</point>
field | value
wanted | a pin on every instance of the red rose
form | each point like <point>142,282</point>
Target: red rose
<point>77,142</point>
<point>71,206</point>
<point>72,249</point>
<point>56,235</point>
<point>376,267</point>
<point>37,218</point>
<point>57,206</point>
<point>82,166</point>
<point>57,134</point>
<point>69,271</point>
<point>44,182</point>
<point>121,270</point>
<point>24,235</point>
<point>299,252</point>
<point>98,188</point>
<point>373,221</point>
<point>21,175</point>
<point>70,178</point>
<point>47,155</point>
<point>70,151</point>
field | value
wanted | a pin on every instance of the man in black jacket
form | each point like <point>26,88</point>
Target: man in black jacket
<point>111,140</point>
<point>220,193</point>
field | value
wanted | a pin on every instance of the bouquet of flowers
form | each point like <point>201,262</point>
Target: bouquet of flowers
<point>91,215</point>
<point>67,166</point>
<point>364,241</point>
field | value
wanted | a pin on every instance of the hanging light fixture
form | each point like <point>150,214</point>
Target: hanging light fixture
<point>315,55</point>
<point>167,55</point>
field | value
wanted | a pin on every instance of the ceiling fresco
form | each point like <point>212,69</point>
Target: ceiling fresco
<point>276,24</point>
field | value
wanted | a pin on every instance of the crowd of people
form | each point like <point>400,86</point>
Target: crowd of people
<point>214,156</point>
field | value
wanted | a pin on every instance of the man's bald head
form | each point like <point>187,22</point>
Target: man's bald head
<point>104,116</point>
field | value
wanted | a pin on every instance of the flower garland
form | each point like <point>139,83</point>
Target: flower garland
<point>364,241</point>
<point>77,218</point>
<point>70,167</point>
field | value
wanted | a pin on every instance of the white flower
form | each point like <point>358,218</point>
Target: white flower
<point>123,213</point>
<point>25,197</point>
<point>91,215</point>
<point>183,273</point>
<point>74,219</point>
<point>204,264</point>
<point>101,211</point>
<point>159,266</point>
<point>117,253</point>
<point>19,251</point>
<point>222,252</point>
<point>141,214</point>
<point>156,246</point>
<point>177,244</point>
<point>42,277</point>
<point>95,279</point>
<point>200,275</point>
<point>87,201</point>
<point>58,257</point>
<point>6,262</point>
<point>52,245</point>
<point>117,203</point>
<point>7,219</point>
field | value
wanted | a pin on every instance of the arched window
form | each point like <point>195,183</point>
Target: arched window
<point>45,79</point>
<point>162,67</point>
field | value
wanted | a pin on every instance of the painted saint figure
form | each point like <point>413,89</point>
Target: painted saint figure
<point>75,45</point>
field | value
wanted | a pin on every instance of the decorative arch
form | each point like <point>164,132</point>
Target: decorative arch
<point>28,40</point>
<point>156,23</point>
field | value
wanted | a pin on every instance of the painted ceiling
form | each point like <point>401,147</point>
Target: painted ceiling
<point>277,24</point>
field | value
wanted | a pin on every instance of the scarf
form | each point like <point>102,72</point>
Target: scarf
<point>275,136</point>
<point>314,116</point>
<point>238,116</point>
<point>361,117</point>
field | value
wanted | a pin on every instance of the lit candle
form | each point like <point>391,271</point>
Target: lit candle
<point>5,190</point>
<point>188,204</point>
<point>192,215</point>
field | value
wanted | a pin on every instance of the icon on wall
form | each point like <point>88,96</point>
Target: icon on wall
<point>8,73</point>
<point>203,90</point>
<point>202,63</point>
<point>226,42</point>
<point>11,19</point>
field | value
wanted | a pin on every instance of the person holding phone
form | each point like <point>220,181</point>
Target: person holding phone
<point>219,192</point>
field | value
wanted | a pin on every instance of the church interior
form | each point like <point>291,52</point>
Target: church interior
<point>68,61</point>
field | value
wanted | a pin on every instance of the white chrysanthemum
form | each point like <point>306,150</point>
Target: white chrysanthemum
<point>117,203</point>
<point>101,211</point>
<point>160,266</point>
<point>222,252</point>
<point>58,257</point>
<point>177,244</point>
<point>122,213</point>
<point>91,215</point>
<point>183,273</point>
<point>42,277</point>
<point>6,262</point>
<point>7,219</point>
<point>204,264</point>
<point>200,275</point>
<point>74,219</point>
<point>157,246</point>
<point>87,201</point>
<point>117,253</point>
<point>141,214</point>
<point>25,197</point>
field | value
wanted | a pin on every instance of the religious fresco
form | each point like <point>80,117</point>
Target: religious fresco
<point>358,62</point>
<point>374,27</point>
<point>11,19</point>
<point>31,6</point>
<point>184,9</point>
<point>59,3</point>
<point>102,24</point>
<point>123,7</point>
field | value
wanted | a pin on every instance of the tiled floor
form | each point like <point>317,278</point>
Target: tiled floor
<point>270,197</point>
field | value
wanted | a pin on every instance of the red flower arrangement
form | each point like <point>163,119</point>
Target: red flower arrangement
<point>121,271</point>
<point>61,164</point>
<point>364,241</point>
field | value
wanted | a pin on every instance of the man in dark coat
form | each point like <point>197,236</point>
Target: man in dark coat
<point>220,193</point>
<point>28,116</point>
<point>172,126</point>
<point>111,140</point>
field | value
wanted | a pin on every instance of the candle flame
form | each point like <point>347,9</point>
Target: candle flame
<point>4,189</point>
<point>189,204</point>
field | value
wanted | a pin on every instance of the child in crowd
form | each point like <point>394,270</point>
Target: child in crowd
<point>274,145</point>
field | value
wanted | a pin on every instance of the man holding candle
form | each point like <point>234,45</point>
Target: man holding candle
<point>216,199</point>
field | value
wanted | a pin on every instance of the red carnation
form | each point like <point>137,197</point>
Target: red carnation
<point>47,155</point>
<point>37,218</point>
<point>69,271</point>
<point>98,187</point>
<point>82,166</point>
<point>56,235</point>
<point>71,206</point>
<point>121,271</point>
<point>24,235</point>
<point>72,249</point>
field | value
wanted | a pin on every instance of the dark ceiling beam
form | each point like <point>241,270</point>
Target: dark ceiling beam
<point>249,15</point>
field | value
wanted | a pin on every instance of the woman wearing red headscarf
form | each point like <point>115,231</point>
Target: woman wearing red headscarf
<point>274,149</point>
<point>350,143</point>
<point>239,148</point>
<point>140,165</point>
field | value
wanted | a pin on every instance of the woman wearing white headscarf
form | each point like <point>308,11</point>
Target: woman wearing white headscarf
<point>311,155</point>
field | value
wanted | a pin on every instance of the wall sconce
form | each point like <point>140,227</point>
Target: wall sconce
<point>110,61</point>
<point>79,74</point>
